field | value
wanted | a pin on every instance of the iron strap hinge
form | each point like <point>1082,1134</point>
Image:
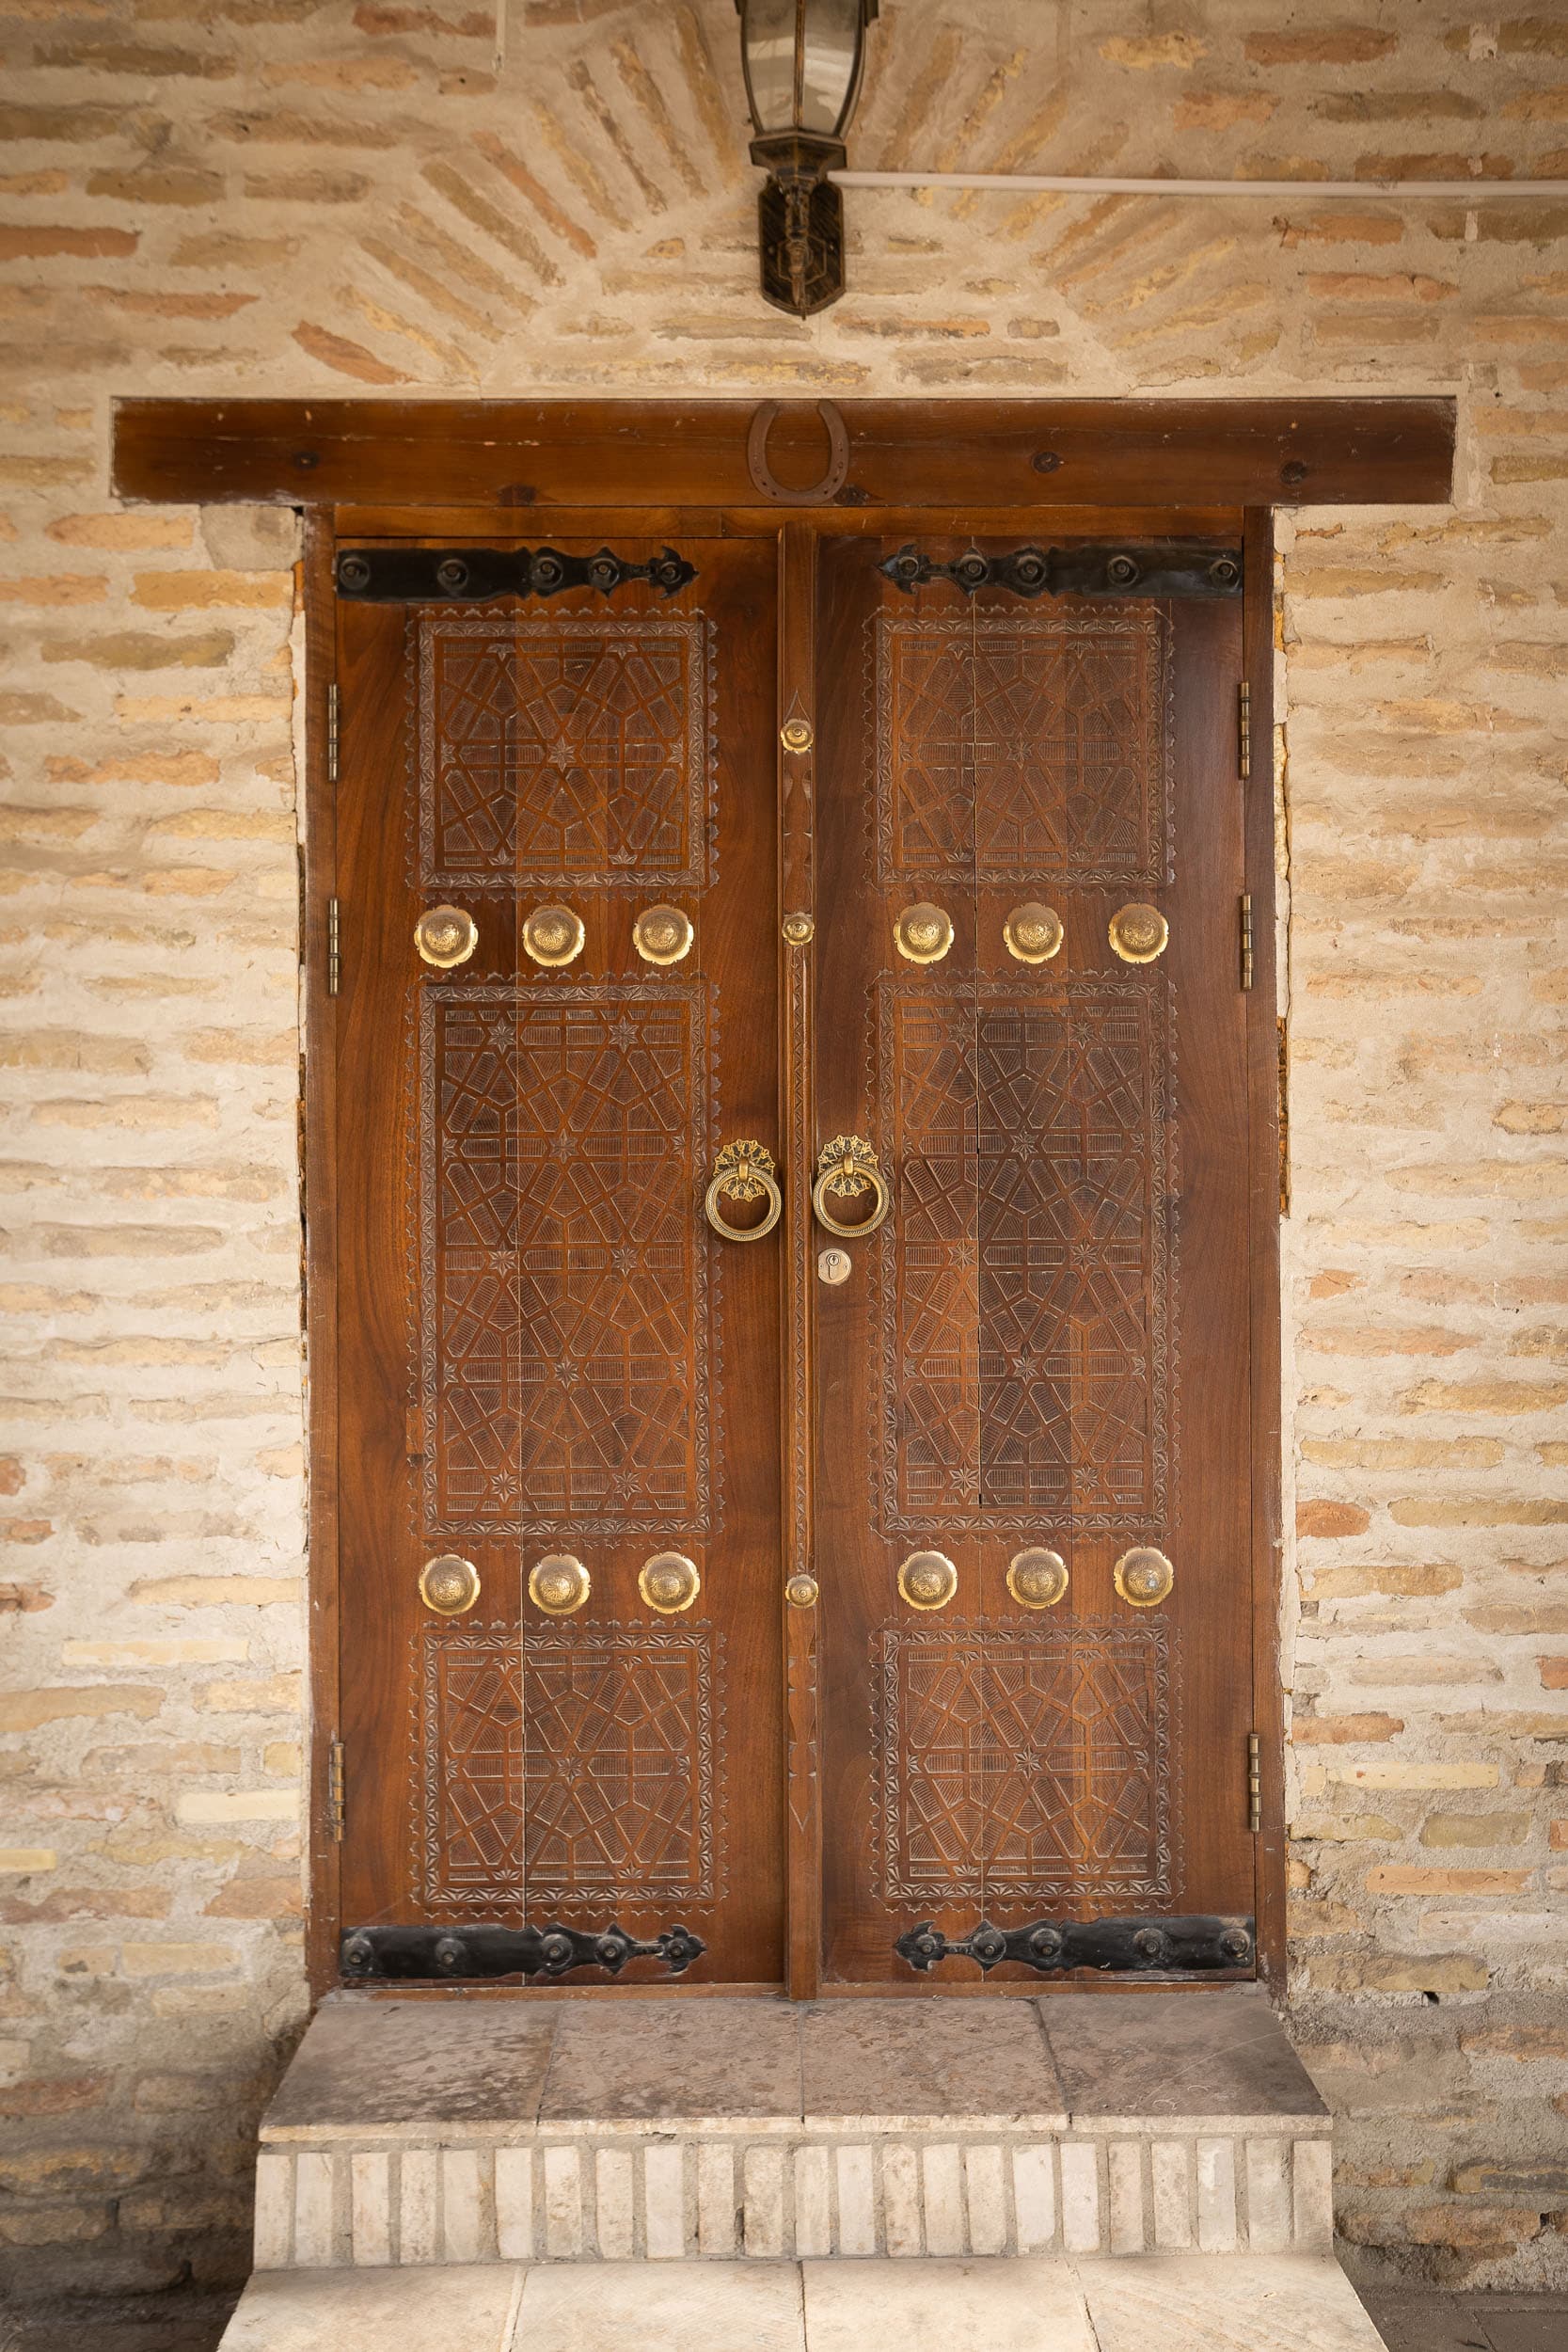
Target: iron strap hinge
<point>332,732</point>
<point>1246,939</point>
<point>1254,1783</point>
<point>334,947</point>
<point>1244,731</point>
<point>335,1797</point>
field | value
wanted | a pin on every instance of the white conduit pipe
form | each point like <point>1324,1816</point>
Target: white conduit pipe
<point>1047,184</point>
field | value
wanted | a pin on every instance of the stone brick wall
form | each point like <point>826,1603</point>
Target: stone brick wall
<point>281,197</point>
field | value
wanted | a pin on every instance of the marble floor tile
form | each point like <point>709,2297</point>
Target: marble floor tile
<point>640,2062</point>
<point>1013,2303</point>
<point>1228,2303</point>
<point>660,2307</point>
<point>1211,2054</point>
<point>450,2310</point>
<point>898,2062</point>
<point>373,2065</point>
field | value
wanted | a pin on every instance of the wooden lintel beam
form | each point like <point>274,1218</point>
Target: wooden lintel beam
<point>1008,453</point>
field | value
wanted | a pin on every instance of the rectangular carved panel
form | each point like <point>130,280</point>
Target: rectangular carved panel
<point>563,752</point>
<point>564,1350</point>
<point>570,1769</point>
<point>1016,1766</point>
<point>1024,1288</point>
<point>1034,748</point>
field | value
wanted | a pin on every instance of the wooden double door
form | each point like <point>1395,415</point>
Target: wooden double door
<point>794,1386</point>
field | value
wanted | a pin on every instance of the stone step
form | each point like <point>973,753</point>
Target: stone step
<point>452,2132</point>
<point>1179,2302</point>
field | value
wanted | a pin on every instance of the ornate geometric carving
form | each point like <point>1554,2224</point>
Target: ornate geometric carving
<point>1025,1289</point>
<point>563,1348</point>
<point>567,1770</point>
<point>565,752</point>
<point>1029,748</point>
<point>1014,1767</point>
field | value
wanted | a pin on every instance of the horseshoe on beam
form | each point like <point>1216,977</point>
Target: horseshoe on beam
<point>838,457</point>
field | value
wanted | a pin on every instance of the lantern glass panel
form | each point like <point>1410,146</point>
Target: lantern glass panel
<point>828,33</point>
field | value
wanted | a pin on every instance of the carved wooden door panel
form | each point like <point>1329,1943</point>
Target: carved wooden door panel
<point>559,1453</point>
<point>1033,1465</point>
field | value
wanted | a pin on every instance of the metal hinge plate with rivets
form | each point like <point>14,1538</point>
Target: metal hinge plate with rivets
<point>335,1792</point>
<point>1244,731</point>
<point>1254,1783</point>
<point>1246,939</point>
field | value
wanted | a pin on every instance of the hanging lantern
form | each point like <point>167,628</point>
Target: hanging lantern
<point>803,61</point>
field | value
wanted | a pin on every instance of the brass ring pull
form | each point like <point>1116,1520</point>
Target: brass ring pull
<point>847,1167</point>
<point>743,1171</point>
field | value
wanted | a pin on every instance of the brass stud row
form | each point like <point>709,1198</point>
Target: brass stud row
<point>560,1584</point>
<point>553,936</point>
<point>1033,933</point>
<point>1036,1577</point>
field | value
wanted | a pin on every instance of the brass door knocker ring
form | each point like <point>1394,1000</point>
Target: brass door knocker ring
<point>847,1168</point>
<point>743,1171</point>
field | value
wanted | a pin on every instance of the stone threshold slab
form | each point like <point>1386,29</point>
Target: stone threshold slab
<point>432,2071</point>
<point>1184,2304</point>
<point>660,2197</point>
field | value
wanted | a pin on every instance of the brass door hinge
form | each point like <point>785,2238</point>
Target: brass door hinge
<point>335,1799</point>
<point>334,947</point>
<point>1246,939</point>
<point>1254,1783</point>
<point>1244,731</point>
<point>332,732</point>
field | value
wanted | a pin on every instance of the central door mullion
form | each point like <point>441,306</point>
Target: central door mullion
<point>798,544</point>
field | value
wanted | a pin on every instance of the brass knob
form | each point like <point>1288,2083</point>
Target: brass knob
<point>743,1171</point>
<point>449,1586</point>
<point>1139,933</point>
<point>669,1582</point>
<point>445,936</point>
<point>928,1580</point>
<point>661,934</point>
<point>1144,1577</point>
<point>847,1168</point>
<point>796,735</point>
<point>559,1584</point>
<point>553,935</point>
<point>1033,932</point>
<point>1037,1579</point>
<point>922,933</point>
<point>800,1592</point>
<point>797,927</point>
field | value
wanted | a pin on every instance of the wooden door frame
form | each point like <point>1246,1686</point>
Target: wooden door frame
<point>468,471</point>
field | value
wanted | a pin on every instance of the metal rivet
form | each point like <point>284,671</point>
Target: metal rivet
<point>353,573</point>
<point>798,928</point>
<point>1294,474</point>
<point>1045,461</point>
<point>800,1592</point>
<point>451,575</point>
<point>1122,571</point>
